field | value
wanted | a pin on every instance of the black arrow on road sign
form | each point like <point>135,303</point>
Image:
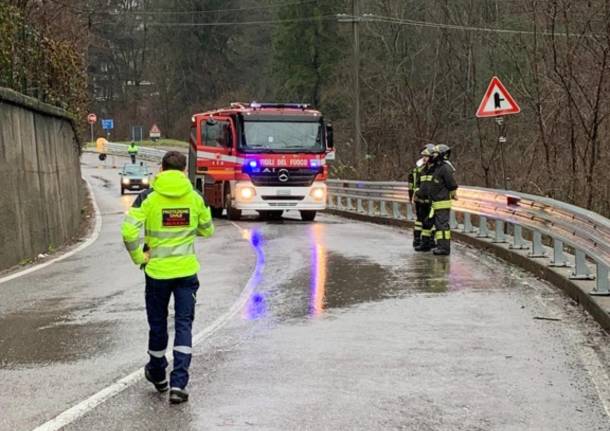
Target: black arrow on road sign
<point>497,100</point>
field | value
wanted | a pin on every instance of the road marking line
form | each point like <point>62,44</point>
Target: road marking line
<point>94,235</point>
<point>84,407</point>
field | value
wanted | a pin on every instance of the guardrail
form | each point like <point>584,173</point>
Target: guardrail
<point>585,232</point>
<point>144,153</point>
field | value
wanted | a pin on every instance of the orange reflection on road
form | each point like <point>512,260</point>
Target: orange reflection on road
<point>318,270</point>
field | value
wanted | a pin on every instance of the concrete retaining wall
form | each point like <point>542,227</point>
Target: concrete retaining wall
<point>41,191</point>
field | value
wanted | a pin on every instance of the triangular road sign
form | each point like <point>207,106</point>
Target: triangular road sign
<point>155,129</point>
<point>497,101</point>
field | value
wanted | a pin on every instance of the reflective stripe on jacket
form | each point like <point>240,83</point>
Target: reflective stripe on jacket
<point>172,214</point>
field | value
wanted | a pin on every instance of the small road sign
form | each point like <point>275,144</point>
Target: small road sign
<point>108,124</point>
<point>92,118</point>
<point>154,132</point>
<point>497,101</point>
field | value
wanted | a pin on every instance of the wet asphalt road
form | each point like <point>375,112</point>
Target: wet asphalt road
<point>329,325</point>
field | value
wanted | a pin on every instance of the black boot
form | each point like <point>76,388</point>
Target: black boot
<point>443,247</point>
<point>416,239</point>
<point>426,244</point>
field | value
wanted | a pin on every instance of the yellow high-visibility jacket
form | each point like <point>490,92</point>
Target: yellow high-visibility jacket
<point>172,215</point>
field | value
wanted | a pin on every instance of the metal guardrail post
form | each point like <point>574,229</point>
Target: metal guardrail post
<point>396,210</point>
<point>601,285</point>
<point>559,259</point>
<point>359,207</point>
<point>483,230</point>
<point>581,270</point>
<point>468,224</point>
<point>410,213</point>
<point>371,206</point>
<point>383,211</point>
<point>453,224</point>
<point>500,238</point>
<point>518,241</point>
<point>537,248</point>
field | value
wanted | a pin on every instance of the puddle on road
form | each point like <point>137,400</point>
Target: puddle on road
<point>334,281</point>
<point>33,337</point>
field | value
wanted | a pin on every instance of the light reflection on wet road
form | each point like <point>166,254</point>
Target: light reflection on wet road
<point>345,328</point>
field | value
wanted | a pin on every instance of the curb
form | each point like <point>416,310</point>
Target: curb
<point>90,239</point>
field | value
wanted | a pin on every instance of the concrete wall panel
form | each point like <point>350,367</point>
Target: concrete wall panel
<point>41,192</point>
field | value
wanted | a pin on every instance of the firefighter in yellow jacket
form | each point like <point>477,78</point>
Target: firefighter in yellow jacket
<point>172,214</point>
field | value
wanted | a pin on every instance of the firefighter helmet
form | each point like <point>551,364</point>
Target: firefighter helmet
<point>442,151</point>
<point>427,150</point>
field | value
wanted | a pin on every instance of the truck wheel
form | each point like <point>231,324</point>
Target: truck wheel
<point>216,212</point>
<point>232,213</point>
<point>308,215</point>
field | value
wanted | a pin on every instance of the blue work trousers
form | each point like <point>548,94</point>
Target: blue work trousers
<point>158,293</point>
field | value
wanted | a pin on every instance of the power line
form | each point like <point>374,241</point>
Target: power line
<point>192,12</point>
<point>262,22</point>
<point>415,23</point>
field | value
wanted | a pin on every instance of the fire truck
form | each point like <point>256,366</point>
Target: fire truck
<point>267,157</point>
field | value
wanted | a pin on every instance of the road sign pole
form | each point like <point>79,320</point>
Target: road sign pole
<point>501,141</point>
<point>91,132</point>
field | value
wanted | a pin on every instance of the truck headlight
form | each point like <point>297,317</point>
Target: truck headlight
<point>247,193</point>
<point>318,193</point>
<point>126,181</point>
<point>144,180</point>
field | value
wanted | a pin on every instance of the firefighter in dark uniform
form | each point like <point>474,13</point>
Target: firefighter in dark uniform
<point>443,189</point>
<point>421,204</point>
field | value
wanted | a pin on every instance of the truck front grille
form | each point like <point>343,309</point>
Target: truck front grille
<point>284,177</point>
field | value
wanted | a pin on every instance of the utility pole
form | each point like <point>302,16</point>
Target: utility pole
<point>360,154</point>
<point>355,19</point>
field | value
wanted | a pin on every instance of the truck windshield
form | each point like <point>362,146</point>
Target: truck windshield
<point>283,136</point>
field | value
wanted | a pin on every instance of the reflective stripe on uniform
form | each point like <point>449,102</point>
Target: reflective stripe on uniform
<point>164,234</point>
<point>442,205</point>
<point>178,250</point>
<point>442,234</point>
<point>157,353</point>
<point>132,245</point>
<point>425,178</point>
<point>426,232</point>
<point>137,223</point>
<point>187,350</point>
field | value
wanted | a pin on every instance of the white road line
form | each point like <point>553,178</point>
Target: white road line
<point>94,235</point>
<point>105,394</point>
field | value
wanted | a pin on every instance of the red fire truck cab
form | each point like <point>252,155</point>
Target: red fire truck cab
<point>267,157</point>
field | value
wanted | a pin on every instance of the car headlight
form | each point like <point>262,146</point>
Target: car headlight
<point>144,180</point>
<point>318,193</point>
<point>126,181</point>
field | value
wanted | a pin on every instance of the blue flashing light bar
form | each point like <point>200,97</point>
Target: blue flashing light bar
<point>258,105</point>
